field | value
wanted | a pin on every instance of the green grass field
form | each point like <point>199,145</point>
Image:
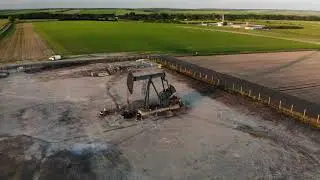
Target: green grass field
<point>253,11</point>
<point>25,11</point>
<point>82,37</point>
<point>3,22</point>
<point>309,33</point>
<point>111,11</point>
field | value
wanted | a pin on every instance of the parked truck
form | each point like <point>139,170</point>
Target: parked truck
<point>55,57</point>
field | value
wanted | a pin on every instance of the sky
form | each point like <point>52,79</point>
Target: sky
<point>188,4</point>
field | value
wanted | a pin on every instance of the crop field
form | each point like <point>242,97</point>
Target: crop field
<point>23,44</point>
<point>244,11</point>
<point>71,37</point>
<point>294,73</point>
<point>112,11</point>
<point>309,32</point>
<point>3,22</point>
<point>24,11</point>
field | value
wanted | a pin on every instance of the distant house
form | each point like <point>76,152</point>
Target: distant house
<point>212,24</point>
<point>236,26</point>
<point>219,24</point>
<point>254,27</point>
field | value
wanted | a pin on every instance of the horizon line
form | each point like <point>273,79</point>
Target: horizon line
<point>235,9</point>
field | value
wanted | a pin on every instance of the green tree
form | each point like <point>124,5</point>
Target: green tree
<point>11,19</point>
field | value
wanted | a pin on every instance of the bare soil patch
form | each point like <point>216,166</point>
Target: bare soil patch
<point>295,73</point>
<point>23,45</point>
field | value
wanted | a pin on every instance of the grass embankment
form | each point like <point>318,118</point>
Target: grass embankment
<point>85,37</point>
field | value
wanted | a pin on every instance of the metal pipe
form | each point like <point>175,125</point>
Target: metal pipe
<point>143,114</point>
<point>280,104</point>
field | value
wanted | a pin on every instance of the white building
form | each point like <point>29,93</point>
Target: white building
<point>220,24</point>
<point>236,26</point>
<point>254,27</point>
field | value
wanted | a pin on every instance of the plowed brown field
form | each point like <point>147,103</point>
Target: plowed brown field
<point>294,73</point>
<point>23,45</point>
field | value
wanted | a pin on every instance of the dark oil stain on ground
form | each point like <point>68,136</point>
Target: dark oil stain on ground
<point>62,165</point>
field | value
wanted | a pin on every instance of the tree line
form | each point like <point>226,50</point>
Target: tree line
<point>61,16</point>
<point>163,17</point>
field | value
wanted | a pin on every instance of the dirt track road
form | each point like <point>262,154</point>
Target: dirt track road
<point>23,45</point>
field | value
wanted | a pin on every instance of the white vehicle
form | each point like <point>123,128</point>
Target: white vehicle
<point>141,60</point>
<point>56,57</point>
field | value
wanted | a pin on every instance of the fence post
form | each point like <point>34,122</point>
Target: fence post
<point>259,97</point>
<point>218,82</point>
<point>249,93</point>
<point>233,86</point>
<point>241,89</point>
<point>304,113</point>
<point>269,101</point>
<point>207,77</point>
<point>291,110</point>
<point>280,103</point>
<point>318,119</point>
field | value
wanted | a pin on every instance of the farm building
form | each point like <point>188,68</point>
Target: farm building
<point>220,24</point>
<point>236,25</point>
<point>254,27</point>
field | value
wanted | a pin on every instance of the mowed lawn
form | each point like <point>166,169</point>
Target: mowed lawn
<point>83,37</point>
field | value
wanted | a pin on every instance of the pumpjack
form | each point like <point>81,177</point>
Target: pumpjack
<point>167,100</point>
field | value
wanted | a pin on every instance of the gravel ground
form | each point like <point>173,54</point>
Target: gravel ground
<point>50,129</point>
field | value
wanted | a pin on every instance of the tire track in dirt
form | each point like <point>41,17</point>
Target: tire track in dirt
<point>23,45</point>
